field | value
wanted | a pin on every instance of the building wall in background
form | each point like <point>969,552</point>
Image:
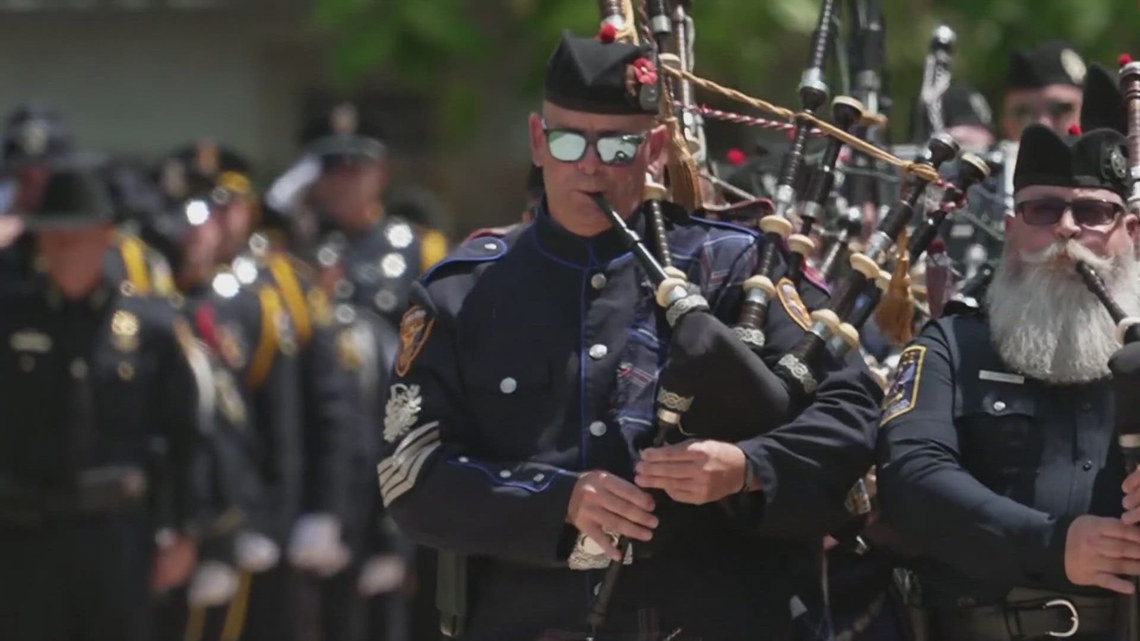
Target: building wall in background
<point>142,82</point>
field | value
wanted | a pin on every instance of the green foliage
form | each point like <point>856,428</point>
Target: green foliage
<point>756,46</point>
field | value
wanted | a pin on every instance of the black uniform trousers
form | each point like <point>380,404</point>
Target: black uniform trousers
<point>81,580</point>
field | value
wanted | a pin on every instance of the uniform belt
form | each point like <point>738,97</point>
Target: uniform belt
<point>97,491</point>
<point>1026,615</point>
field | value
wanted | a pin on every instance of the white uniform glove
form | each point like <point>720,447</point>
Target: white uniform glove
<point>381,574</point>
<point>255,553</point>
<point>212,584</point>
<point>316,546</point>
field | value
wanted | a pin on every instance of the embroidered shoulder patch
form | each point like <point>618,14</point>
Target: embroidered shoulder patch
<point>790,299</point>
<point>400,412</point>
<point>415,327</point>
<point>903,392</point>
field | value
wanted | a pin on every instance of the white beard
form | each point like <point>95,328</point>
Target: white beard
<point>1044,321</point>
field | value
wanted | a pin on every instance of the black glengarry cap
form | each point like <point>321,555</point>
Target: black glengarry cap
<point>599,75</point>
<point>1098,158</point>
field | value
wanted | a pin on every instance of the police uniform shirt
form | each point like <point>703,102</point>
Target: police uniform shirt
<point>985,469</point>
<point>381,264</point>
<point>327,360</point>
<point>528,358</point>
<point>97,382</point>
<point>249,331</point>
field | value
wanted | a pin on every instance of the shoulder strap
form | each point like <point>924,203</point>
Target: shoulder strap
<point>290,287</point>
<point>134,258</point>
<point>270,304</point>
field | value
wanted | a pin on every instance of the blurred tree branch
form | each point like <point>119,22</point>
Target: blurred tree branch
<point>446,46</point>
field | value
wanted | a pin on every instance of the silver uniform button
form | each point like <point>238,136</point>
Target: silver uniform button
<point>343,289</point>
<point>538,478</point>
<point>385,300</point>
<point>598,428</point>
<point>463,459</point>
<point>393,265</point>
<point>490,246</point>
<point>506,474</point>
<point>345,313</point>
<point>78,368</point>
<point>999,406</point>
<point>400,235</point>
<point>598,351</point>
<point>598,281</point>
<point>508,385</point>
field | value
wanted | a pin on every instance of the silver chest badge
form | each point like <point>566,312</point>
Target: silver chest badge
<point>401,411</point>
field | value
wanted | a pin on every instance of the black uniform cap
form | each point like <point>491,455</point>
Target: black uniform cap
<point>344,133</point>
<point>76,195</point>
<point>1098,158</point>
<point>1052,63</point>
<point>962,104</point>
<point>598,75</point>
<point>203,170</point>
<point>34,132</point>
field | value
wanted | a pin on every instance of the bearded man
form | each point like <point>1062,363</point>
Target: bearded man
<point>997,456</point>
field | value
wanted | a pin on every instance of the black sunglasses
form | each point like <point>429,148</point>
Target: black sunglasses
<point>1087,212</point>
<point>569,145</point>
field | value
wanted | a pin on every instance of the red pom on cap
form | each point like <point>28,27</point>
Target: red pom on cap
<point>937,246</point>
<point>607,33</point>
<point>735,156</point>
<point>1074,129</point>
<point>1123,59</point>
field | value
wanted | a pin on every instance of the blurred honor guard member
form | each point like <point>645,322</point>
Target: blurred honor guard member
<point>525,388</point>
<point>382,254</point>
<point>99,423</point>
<point>1043,86</point>
<point>997,451</point>
<point>32,136</point>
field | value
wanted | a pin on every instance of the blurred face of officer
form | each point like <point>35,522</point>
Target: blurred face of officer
<point>200,244</point>
<point>349,189</point>
<point>572,170</point>
<point>1044,320</point>
<point>1056,106</point>
<point>234,213</point>
<point>73,257</point>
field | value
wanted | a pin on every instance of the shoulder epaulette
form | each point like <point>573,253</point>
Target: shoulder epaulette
<point>495,232</point>
<point>962,306</point>
<point>479,250</point>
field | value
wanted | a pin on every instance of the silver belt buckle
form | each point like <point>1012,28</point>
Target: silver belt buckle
<point>1074,618</point>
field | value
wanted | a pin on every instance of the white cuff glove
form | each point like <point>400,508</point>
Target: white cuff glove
<point>255,553</point>
<point>212,584</point>
<point>380,575</point>
<point>316,546</point>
